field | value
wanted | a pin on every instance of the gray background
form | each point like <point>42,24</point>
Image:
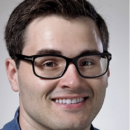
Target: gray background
<point>114,114</point>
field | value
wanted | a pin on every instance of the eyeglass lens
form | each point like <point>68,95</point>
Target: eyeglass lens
<point>91,66</point>
<point>49,66</point>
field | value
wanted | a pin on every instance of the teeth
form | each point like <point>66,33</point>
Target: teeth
<point>78,100</point>
<point>60,101</point>
<point>73,101</point>
<point>81,99</point>
<point>63,101</point>
<point>57,100</point>
<point>69,101</point>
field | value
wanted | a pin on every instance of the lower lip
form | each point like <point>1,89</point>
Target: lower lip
<point>72,106</point>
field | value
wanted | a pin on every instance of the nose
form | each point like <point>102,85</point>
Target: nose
<point>71,79</point>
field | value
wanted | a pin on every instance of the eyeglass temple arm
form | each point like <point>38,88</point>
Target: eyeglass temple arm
<point>109,55</point>
<point>23,57</point>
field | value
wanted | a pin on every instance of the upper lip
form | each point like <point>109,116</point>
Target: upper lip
<point>69,96</point>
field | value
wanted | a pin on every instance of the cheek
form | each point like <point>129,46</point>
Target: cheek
<point>98,87</point>
<point>100,84</point>
<point>30,81</point>
<point>33,87</point>
<point>35,94</point>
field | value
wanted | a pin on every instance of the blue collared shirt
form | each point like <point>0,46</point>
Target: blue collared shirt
<point>14,124</point>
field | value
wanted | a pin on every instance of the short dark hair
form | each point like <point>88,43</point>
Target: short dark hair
<point>29,10</point>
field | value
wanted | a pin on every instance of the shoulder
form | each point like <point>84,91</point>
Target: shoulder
<point>12,125</point>
<point>93,128</point>
<point>96,129</point>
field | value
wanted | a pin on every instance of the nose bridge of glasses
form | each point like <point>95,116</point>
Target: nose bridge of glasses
<point>72,61</point>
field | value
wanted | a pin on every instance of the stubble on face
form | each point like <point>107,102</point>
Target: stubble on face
<point>37,95</point>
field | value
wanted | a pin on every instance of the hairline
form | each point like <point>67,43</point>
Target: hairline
<point>69,18</point>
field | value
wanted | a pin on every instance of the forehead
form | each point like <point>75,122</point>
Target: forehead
<point>69,36</point>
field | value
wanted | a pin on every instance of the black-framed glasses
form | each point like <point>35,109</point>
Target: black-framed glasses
<point>50,66</point>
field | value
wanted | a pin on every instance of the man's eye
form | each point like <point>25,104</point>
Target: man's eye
<point>49,64</point>
<point>86,63</point>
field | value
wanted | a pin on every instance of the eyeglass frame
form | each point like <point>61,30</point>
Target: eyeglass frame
<point>68,61</point>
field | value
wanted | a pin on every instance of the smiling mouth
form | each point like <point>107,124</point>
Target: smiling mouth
<point>70,101</point>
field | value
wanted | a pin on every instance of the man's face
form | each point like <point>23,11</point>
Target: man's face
<point>38,96</point>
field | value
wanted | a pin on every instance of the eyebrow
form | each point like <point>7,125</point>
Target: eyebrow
<point>48,51</point>
<point>89,52</point>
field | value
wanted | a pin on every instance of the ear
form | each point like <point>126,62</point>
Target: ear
<point>107,75</point>
<point>12,74</point>
<point>108,72</point>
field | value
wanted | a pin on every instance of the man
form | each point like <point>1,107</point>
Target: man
<point>59,64</point>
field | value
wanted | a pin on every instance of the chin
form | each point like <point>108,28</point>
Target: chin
<point>71,124</point>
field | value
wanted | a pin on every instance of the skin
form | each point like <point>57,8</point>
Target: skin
<point>37,110</point>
